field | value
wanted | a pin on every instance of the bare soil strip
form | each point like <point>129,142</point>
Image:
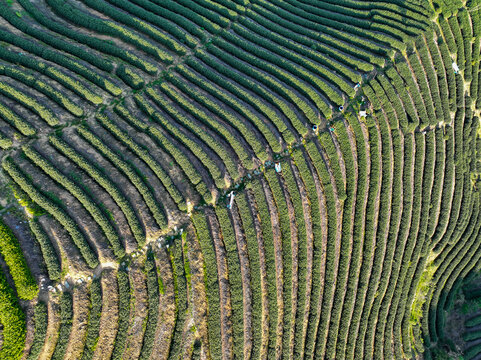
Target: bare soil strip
<point>52,329</point>
<point>138,312</point>
<point>81,304</point>
<point>225,304</point>
<point>110,313</point>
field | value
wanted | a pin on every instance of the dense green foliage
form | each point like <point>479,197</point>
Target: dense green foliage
<point>12,254</point>
<point>41,322</point>
<point>179,266</point>
<point>93,326</point>
<point>124,313</point>
<point>211,283</point>
<point>48,252</point>
<point>153,293</point>
<point>12,319</point>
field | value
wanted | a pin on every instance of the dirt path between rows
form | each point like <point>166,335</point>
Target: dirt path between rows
<point>277,242</point>
<point>52,329</point>
<point>263,273</point>
<point>110,314</point>
<point>246,280</point>
<point>81,312</point>
<point>138,311</point>
<point>166,316</point>
<point>225,303</point>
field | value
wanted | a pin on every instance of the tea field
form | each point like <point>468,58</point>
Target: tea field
<point>240,179</point>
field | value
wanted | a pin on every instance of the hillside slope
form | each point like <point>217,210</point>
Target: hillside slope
<point>239,178</point>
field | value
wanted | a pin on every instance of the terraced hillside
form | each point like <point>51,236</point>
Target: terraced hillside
<point>239,179</point>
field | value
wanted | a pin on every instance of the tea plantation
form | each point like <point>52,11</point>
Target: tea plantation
<point>240,179</point>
